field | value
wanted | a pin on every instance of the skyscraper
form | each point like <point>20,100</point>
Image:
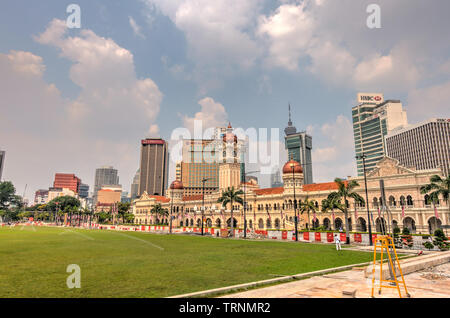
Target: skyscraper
<point>68,181</point>
<point>134,191</point>
<point>83,190</point>
<point>275,179</point>
<point>373,119</point>
<point>2,162</point>
<point>299,146</point>
<point>154,166</point>
<point>105,175</point>
<point>423,146</point>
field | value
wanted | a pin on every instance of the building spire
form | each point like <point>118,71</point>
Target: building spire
<point>290,121</point>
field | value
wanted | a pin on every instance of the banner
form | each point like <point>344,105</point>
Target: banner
<point>403,211</point>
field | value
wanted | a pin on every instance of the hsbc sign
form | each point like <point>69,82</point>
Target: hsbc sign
<point>370,98</point>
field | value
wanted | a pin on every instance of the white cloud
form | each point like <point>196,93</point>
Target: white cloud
<point>429,102</point>
<point>136,28</point>
<point>102,125</point>
<point>288,32</point>
<point>212,114</point>
<point>333,150</point>
<point>111,94</point>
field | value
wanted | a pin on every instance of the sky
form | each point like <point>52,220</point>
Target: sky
<point>75,99</point>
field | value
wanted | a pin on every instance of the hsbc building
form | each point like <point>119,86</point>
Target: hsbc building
<point>373,118</point>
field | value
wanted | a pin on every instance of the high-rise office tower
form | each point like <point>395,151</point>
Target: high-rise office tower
<point>299,146</point>
<point>134,191</point>
<point>83,191</point>
<point>154,166</point>
<point>2,162</point>
<point>423,146</point>
<point>104,175</point>
<point>178,170</point>
<point>373,119</point>
<point>275,179</point>
<point>201,160</point>
<point>68,181</point>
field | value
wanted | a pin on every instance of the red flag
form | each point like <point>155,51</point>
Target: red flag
<point>314,214</point>
<point>332,214</point>
<point>403,211</point>
<point>436,212</point>
<point>379,212</point>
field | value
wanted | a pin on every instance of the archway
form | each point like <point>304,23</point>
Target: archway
<point>261,223</point>
<point>381,225</point>
<point>199,222</point>
<point>277,223</point>
<point>268,223</point>
<point>192,222</point>
<point>361,225</point>
<point>434,224</point>
<point>218,222</point>
<point>327,223</point>
<point>234,223</point>
<point>315,224</point>
<point>409,223</point>
<point>208,222</point>
<point>337,223</point>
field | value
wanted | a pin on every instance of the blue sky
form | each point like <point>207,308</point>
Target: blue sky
<point>77,99</point>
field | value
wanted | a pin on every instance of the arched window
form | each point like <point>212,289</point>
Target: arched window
<point>261,223</point>
<point>402,201</point>
<point>427,199</point>
<point>268,223</point>
<point>218,222</point>
<point>316,204</point>
<point>277,223</point>
<point>375,202</point>
<point>409,201</point>
<point>392,201</point>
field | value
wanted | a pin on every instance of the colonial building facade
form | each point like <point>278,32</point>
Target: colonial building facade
<point>273,208</point>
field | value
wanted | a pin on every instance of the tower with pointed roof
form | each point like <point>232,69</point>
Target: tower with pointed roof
<point>299,147</point>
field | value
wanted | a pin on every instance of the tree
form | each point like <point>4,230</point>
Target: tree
<point>345,190</point>
<point>308,206</point>
<point>438,187</point>
<point>123,209</point>
<point>230,196</point>
<point>65,203</point>
<point>8,196</point>
<point>158,210</point>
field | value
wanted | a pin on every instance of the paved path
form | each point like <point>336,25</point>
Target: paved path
<point>428,283</point>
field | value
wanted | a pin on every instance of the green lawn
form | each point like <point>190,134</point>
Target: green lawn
<point>127,264</point>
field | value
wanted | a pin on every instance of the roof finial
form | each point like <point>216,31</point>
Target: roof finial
<point>229,125</point>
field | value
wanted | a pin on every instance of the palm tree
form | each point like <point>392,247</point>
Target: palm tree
<point>230,196</point>
<point>307,206</point>
<point>345,190</point>
<point>157,210</point>
<point>438,187</point>
<point>331,202</point>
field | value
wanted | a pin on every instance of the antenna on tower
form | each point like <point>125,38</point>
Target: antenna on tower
<point>290,121</point>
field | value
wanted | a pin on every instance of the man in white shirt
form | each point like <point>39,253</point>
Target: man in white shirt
<point>338,242</point>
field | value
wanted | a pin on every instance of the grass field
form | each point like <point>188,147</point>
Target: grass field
<point>127,264</point>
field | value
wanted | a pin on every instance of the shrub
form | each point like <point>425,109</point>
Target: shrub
<point>439,240</point>
<point>428,245</point>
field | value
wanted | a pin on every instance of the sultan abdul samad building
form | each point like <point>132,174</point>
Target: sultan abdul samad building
<point>273,208</point>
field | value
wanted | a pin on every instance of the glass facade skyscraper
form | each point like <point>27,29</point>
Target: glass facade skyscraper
<point>373,118</point>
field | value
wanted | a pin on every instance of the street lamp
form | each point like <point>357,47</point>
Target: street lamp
<point>295,204</point>
<point>245,201</point>
<point>203,198</point>
<point>363,157</point>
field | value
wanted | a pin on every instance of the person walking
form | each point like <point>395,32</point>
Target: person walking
<point>338,242</point>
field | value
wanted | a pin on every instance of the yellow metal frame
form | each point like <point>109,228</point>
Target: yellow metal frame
<point>384,243</point>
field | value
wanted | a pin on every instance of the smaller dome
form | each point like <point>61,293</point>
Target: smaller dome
<point>229,137</point>
<point>287,168</point>
<point>176,185</point>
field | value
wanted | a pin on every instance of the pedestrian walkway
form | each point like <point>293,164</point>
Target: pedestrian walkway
<point>428,283</point>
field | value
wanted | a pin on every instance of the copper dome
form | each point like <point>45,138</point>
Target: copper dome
<point>287,168</point>
<point>176,185</point>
